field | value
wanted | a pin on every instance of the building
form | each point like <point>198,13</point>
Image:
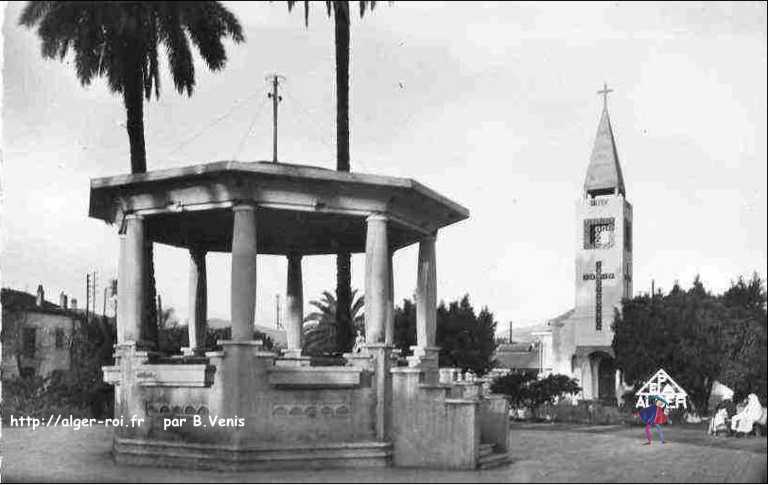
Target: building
<point>283,411</point>
<point>581,338</point>
<point>525,356</point>
<point>36,333</point>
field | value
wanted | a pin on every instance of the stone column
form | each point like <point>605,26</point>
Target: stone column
<point>121,308</point>
<point>243,296</point>
<point>594,366</point>
<point>377,264</point>
<point>198,302</point>
<point>377,300</point>
<point>425,352</point>
<point>131,280</point>
<point>294,305</point>
<point>389,324</point>
<point>586,377</point>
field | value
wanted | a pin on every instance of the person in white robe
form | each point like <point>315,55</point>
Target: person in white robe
<point>718,422</point>
<point>745,419</point>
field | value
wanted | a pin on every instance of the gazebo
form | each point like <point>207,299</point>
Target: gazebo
<point>245,407</point>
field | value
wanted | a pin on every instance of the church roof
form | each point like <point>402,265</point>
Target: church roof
<point>604,172</point>
<point>517,356</point>
<point>559,320</point>
<point>517,360</point>
<point>514,347</point>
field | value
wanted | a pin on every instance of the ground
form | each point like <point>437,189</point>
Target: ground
<point>541,452</point>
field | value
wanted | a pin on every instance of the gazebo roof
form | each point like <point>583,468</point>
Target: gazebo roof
<point>300,208</point>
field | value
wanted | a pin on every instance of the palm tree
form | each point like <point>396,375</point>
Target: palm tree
<point>119,41</point>
<point>339,10</point>
<point>320,329</point>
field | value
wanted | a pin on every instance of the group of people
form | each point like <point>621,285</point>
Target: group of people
<point>738,419</point>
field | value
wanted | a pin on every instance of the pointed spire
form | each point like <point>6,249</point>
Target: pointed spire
<point>604,172</point>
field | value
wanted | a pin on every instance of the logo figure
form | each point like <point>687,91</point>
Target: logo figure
<point>663,386</point>
<point>654,415</point>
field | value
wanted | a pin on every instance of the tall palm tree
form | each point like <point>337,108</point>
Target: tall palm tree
<point>339,11</point>
<point>119,41</point>
<point>320,329</point>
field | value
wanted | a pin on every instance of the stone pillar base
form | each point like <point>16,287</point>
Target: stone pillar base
<point>190,352</point>
<point>292,358</point>
<point>426,359</point>
<point>381,360</point>
<point>361,360</point>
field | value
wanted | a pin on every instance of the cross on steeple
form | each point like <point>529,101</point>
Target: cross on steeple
<point>605,92</point>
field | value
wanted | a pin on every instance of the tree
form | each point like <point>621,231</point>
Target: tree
<point>695,336</point>
<point>171,339</point>
<point>320,327</point>
<point>523,389</point>
<point>405,326</point>
<point>339,11</point>
<point>466,339</point>
<point>514,387</point>
<point>119,41</point>
<point>745,367</point>
<point>549,389</point>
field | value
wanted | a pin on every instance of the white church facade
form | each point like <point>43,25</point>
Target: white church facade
<point>578,342</point>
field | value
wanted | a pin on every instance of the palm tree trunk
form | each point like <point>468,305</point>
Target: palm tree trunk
<point>344,335</point>
<point>134,107</point>
<point>341,21</point>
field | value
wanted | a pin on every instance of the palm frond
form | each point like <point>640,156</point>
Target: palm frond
<point>172,34</point>
<point>34,11</point>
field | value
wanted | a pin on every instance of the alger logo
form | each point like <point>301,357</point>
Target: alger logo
<point>662,385</point>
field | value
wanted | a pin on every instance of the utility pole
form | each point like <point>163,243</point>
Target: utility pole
<point>275,80</point>
<point>87,294</point>
<point>93,297</point>
<point>653,292</point>
<point>510,331</point>
<point>277,311</point>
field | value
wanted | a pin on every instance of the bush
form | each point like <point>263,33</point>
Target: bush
<point>39,397</point>
<point>588,412</point>
<point>524,390</point>
<point>514,387</point>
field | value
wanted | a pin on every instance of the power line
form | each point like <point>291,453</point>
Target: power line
<point>213,123</point>
<point>250,128</point>
<point>309,119</point>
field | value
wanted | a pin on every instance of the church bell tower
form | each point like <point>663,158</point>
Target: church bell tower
<point>604,240</point>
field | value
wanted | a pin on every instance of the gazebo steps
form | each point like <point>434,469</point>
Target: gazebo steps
<point>490,459</point>
<point>258,457</point>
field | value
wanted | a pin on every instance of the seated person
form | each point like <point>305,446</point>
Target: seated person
<point>745,420</point>
<point>760,424</point>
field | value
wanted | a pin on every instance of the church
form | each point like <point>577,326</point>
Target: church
<point>578,342</point>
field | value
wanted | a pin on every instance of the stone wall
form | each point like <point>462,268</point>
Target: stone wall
<point>47,357</point>
<point>322,409</point>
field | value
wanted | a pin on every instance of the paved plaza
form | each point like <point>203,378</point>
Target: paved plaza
<point>541,453</point>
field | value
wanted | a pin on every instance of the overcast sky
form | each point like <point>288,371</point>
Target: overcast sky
<point>493,105</point>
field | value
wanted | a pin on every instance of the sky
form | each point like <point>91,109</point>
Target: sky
<point>491,104</point>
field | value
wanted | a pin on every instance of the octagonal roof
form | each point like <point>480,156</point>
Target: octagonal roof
<point>300,208</point>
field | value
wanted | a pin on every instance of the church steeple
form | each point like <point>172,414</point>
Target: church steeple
<point>604,172</point>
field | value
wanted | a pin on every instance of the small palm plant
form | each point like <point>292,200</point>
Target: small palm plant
<point>320,326</point>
